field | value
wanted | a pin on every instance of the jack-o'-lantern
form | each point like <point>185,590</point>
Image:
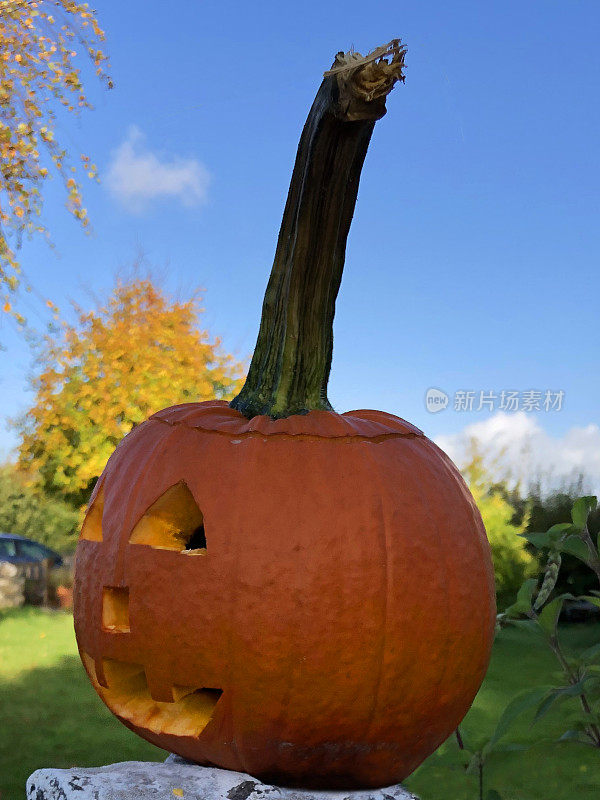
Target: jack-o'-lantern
<point>272,587</point>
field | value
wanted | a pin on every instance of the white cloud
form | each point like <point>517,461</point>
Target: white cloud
<point>136,175</point>
<point>518,448</point>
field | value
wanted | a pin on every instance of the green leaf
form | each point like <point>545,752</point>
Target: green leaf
<point>561,528</point>
<point>575,546</point>
<point>538,540</point>
<point>590,599</point>
<point>525,624</point>
<point>591,654</point>
<point>525,593</point>
<point>557,696</point>
<point>523,602</point>
<point>575,736</point>
<point>521,703</point>
<point>593,670</point>
<point>549,615</point>
<point>552,536</point>
<point>492,794</point>
<point>546,704</point>
<point>581,509</point>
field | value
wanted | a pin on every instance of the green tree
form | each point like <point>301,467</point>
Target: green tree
<point>115,366</point>
<point>548,509</point>
<point>25,510</point>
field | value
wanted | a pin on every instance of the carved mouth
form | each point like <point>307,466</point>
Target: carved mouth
<point>128,696</point>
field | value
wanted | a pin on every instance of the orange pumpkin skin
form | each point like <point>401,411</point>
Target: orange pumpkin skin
<point>344,605</point>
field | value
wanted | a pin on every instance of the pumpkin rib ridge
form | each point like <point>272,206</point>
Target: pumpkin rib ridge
<point>232,661</point>
<point>383,540</point>
<point>351,437</point>
<point>218,417</point>
<point>383,637</point>
<point>443,559</point>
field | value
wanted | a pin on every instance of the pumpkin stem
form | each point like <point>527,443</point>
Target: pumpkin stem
<point>292,359</point>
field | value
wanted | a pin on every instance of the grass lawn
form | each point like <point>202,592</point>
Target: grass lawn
<point>50,716</point>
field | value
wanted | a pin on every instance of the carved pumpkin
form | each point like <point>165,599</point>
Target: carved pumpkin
<point>270,586</point>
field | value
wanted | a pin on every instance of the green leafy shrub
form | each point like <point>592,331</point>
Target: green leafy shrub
<point>27,511</point>
<point>546,510</point>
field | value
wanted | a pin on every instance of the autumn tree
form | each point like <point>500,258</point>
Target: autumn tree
<point>41,45</point>
<point>120,362</point>
<point>512,560</point>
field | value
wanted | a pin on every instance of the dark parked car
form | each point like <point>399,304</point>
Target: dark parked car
<point>19,550</point>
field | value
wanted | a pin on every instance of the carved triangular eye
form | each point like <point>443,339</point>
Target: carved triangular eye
<point>91,529</point>
<point>173,522</point>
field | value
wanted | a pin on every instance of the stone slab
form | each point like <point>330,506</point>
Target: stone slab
<point>143,780</point>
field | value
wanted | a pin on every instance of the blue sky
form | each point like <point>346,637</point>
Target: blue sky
<point>473,259</point>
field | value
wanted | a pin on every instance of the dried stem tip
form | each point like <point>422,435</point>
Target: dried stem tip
<point>364,80</point>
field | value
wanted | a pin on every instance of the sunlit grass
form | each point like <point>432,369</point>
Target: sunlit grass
<point>50,715</point>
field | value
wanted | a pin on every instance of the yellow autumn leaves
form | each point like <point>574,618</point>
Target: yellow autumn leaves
<point>119,363</point>
<point>38,74</point>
